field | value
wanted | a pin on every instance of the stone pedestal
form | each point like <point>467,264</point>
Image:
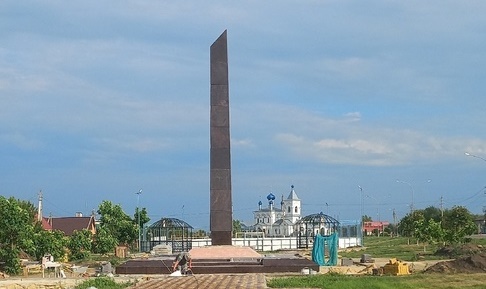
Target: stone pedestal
<point>225,252</point>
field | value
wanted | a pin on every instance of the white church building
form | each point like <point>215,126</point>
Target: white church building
<point>282,226</point>
<point>278,221</point>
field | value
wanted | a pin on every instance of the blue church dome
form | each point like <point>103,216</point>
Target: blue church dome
<point>271,197</point>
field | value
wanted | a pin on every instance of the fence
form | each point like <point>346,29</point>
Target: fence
<point>273,244</point>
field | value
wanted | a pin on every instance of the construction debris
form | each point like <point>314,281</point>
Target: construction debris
<point>395,267</point>
<point>347,262</point>
<point>366,258</point>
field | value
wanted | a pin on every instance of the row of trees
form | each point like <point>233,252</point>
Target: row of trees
<point>22,235</point>
<point>435,226</point>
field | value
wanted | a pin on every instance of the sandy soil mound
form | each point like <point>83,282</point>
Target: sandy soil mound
<point>475,263</point>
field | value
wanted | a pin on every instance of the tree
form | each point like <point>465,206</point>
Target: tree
<point>236,227</point>
<point>407,224</point>
<point>391,229</point>
<point>29,208</point>
<point>16,230</point>
<point>80,244</point>
<point>366,218</point>
<point>49,242</point>
<point>458,223</point>
<point>433,213</point>
<point>104,242</point>
<point>436,232</point>
<point>430,227</point>
<point>144,218</point>
<point>428,231</point>
<point>117,223</point>
<point>200,233</point>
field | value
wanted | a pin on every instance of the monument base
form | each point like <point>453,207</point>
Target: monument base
<point>224,259</point>
<point>224,252</point>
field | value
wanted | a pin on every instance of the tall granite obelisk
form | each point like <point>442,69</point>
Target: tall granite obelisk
<point>221,215</point>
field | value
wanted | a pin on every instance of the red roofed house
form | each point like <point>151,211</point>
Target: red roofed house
<point>66,224</point>
<point>70,224</point>
<point>369,228</point>
<point>45,224</point>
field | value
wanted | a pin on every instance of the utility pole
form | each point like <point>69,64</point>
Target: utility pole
<point>441,207</point>
<point>361,217</point>
<point>484,212</point>
<point>39,210</point>
<point>481,158</point>
<point>139,222</point>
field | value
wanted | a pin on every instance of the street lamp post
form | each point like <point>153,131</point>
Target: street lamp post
<point>471,155</point>
<point>361,217</point>
<point>474,156</point>
<point>138,213</point>
<point>413,192</point>
<point>411,188</point>
<point>361,209</point>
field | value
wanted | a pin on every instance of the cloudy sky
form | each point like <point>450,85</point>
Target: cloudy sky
<point>99,99</point>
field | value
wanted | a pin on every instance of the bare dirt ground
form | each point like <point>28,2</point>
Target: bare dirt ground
<point>467,259</point>
<point>366,268</point>
<point>470,264</point>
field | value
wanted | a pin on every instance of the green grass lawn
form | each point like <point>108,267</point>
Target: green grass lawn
<point>404,249</point>
<point>416,281</point>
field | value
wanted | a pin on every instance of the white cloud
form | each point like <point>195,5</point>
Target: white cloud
<point>353,116</point>
<point>300,134</point>
<point>242,143</point>
<point>378,148</point>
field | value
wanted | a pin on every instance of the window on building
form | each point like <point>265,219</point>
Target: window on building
<point>296,209</point>
<point>288,209</point>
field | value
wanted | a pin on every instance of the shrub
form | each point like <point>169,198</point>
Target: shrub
<point>103,283</point>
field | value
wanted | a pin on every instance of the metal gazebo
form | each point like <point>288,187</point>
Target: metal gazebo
<point>169,231</point>
<point>309,226</point>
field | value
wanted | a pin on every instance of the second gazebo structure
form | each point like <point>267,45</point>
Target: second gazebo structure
<point>309,226</point>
